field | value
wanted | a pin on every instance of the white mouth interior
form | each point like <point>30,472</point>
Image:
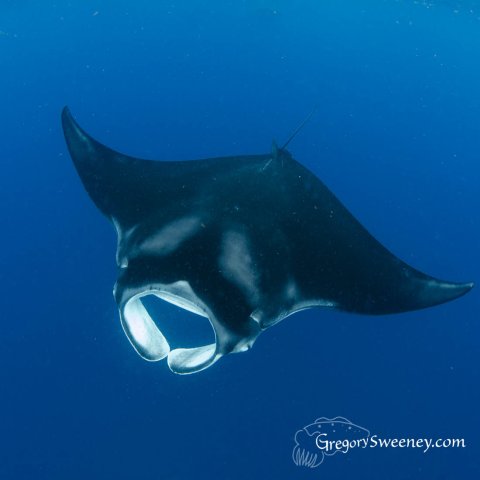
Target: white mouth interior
<point>151,344</point>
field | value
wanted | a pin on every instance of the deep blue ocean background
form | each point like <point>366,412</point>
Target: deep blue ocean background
<point>396,135</point>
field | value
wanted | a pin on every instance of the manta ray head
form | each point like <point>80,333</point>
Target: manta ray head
<point>145,335</point>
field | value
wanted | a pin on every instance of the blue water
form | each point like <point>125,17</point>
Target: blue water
<point>395,136</point>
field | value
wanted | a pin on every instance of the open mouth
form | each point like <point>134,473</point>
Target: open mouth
<point>150,341</point>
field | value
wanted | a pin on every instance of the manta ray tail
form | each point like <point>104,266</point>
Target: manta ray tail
<point>294,134</point>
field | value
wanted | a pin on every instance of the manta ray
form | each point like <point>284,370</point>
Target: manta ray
<point>244,241</point>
